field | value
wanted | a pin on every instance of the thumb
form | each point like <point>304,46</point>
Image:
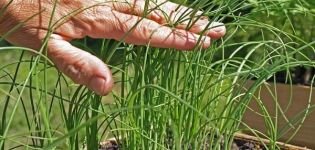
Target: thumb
<point>82,67</point>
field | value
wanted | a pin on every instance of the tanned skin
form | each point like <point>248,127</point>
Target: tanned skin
<point>110,19</point>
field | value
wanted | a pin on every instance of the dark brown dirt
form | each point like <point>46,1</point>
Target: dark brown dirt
<point>110,144</point>
<point>241,142</point>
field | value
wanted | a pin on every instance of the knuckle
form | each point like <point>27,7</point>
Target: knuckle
<point>147,28</point>
<point>77,72</point>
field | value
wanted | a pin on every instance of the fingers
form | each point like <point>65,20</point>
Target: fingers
<point>165,12</point>
<point>141,31</point>
<point>82,67</point>
<point>191,19</point>
<point>136,7</point>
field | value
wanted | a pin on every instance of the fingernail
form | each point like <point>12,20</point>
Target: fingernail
<point>219,29</point>
<point>204,18</point>
<point>98,85</point>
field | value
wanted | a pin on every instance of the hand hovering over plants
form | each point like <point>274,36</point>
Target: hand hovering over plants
<point>75,19</point>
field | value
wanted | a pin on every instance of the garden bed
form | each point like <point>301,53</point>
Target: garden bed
<point>293,100</point>
<point>241,142</point>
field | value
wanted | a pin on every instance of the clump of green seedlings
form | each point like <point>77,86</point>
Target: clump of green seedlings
<point>163,98</point>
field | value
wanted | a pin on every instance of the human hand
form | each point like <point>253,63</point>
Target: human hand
<point>99,19</point>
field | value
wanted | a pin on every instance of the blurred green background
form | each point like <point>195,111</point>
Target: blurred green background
<point>300,22</point>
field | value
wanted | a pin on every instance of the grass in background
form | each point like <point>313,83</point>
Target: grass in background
<point>163,99</point>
